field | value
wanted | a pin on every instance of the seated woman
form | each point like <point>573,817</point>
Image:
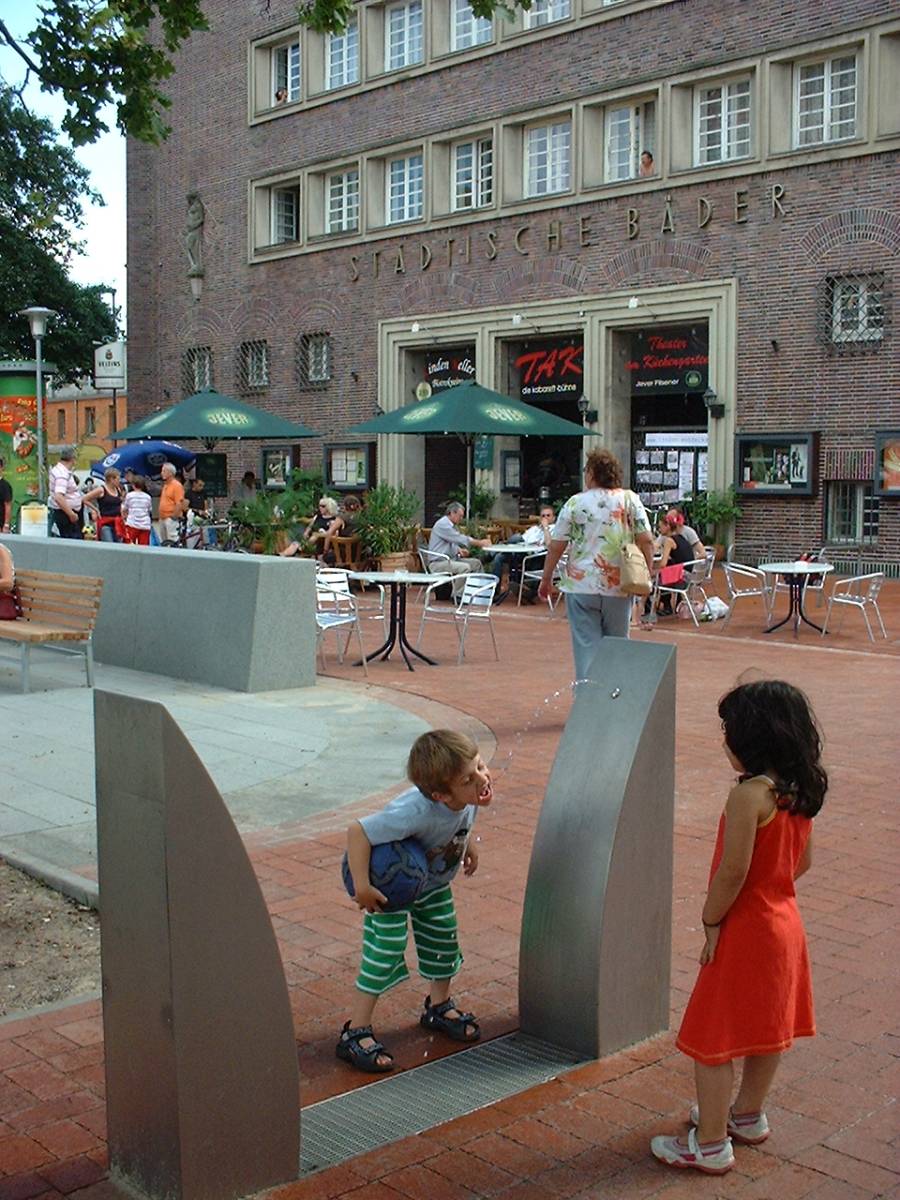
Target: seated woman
<point>8,606</point>
<point>106,501</point>
<point>676,519</point>
<point>674,550</point>
<point>325,522</point>
<point>345,526</point>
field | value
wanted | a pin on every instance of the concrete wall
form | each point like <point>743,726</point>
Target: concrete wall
<point>238,621</point>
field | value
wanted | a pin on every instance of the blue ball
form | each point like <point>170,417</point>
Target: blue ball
<point>398,869</point>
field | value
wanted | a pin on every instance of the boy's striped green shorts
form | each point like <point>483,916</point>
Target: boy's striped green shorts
<point>384,943</point>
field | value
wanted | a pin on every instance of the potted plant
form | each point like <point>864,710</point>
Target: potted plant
<point>481,500</point>
<point>713,513</point>
<point>385,525</point>
<point>260,522</point>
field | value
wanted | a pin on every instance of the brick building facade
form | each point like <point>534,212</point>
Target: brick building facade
<point>428,188</point>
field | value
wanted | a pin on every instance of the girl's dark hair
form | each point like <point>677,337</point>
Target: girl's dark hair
<point>605,469</point>
<point>770,727</point>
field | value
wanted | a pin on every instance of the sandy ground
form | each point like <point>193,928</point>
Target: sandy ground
<point>49,945</point>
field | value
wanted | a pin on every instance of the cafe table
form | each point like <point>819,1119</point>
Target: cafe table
<point>796,575</point>
<point>398,582</point>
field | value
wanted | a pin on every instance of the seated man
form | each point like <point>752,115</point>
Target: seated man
<point>537,537</point>
<point>447,539</point>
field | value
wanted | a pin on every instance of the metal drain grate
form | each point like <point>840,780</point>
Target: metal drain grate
<point>415,1101</point>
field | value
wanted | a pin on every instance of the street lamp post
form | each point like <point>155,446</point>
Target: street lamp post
<point>38,319</point>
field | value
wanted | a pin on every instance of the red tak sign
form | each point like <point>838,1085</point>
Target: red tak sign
<point>551,369</point>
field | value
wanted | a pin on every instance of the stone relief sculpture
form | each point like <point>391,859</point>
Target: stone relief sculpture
<point>193,239</point>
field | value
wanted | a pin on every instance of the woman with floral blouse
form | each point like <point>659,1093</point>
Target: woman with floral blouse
<point>593,526</point>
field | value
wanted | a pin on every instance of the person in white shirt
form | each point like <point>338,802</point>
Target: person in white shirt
<point>65,499</point>
<point>537,536</point>
<point>137,509</point>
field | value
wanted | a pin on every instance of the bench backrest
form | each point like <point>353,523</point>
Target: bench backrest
<point>70,601</point>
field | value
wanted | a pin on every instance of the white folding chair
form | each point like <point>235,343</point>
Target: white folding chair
<point>474,604</point>
<point>336,609</point>
<point>745,582</point>
<point>859,592</point>
<point>533,573</point>
<point>696,574</point>
<point>369,604</point>
<point>816,583</point>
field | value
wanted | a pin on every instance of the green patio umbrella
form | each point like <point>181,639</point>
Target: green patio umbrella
<point>470,410</point>
<point>210,417</point>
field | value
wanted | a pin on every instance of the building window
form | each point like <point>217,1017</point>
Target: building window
<point>90,421</point>
<point>286,73</point>
<point>548,159</point>
<point>405,188</point>
<point>342,56</point>
<point>544,12</point>
<point>404,35</point>
<point>253,366</point>
<point>825,101</point>
<point>473,174</point>
<point>343,202</point>
<point>466,29</point>
<point>855,309</point>
<point>851,512</point>
<point>61,424</point>
<point>722,122</point>
<point>629,132</point>
<point>314,360</point>
<point>196,370</point>
<point>285,215</point>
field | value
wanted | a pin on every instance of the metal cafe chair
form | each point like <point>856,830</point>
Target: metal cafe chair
<point>696,574</point>
<point>473,603</point>
<point>369,604</point>
<point>336,609</point>
<point>531,573</point>
<point>861,591</point>
<point>743,582</point>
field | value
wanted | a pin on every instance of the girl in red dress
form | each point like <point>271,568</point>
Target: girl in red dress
<point>753,995</point>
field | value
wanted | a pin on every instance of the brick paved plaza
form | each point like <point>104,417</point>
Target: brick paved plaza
<point>833,1109</point>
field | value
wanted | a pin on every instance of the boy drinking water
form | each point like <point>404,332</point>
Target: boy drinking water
<point>451,783</point>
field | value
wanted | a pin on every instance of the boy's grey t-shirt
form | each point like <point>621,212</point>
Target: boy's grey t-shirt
<point>443,832</point>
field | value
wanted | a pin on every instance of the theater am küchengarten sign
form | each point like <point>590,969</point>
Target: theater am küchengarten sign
<point>570,234</point>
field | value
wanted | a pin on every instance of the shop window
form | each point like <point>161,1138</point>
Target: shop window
<point>253,366</point>
<point>851,512</point>
<point>90,421</point>
<point>343,202</point>
<point>467,30</point>
<point>314,360</point>
<point>722,122</point>
<point>630,133</point>
<point>196,370</point>
<point>404,35</point>
<point>405,188</point>
<point>854,310</point>
<point>342,56</point>
<point>473,174</point>
<point>548,158</point>
<point>545,12</point>
<point>825,100</point>
<point>285,72</point>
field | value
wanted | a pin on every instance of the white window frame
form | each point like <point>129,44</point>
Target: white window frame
<point>850,506</point>
<point>410,175</point>
<point>828,66</point>
<point>557,149</point>
<point>276,192</point>
<point>480,153</point>
<point>318,358</point>
<point>641,136</point>
<point>291,77</point>
<point>869,327</point>
<point>342,57</point>
<point>467,30</point>
<point>342,197</point>
<point>731,93</point>
<point>547,12</point>
<point>411,29</point>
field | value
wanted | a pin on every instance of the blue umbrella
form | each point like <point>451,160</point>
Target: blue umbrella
<point>145,458</point>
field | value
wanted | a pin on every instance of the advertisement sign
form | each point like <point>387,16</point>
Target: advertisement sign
<point>110,366</point>
<point>551,371</point>
<point>669,360</point>
<point>18,435</point>
<point>447,366</point>
<point>887,463</point>
<point>772,463</point>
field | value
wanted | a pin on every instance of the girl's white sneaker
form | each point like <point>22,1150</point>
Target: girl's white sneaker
<point>674,1153</point>
<point>749,1130</point>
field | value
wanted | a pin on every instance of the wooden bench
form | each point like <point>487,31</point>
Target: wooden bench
<point>55,609</point>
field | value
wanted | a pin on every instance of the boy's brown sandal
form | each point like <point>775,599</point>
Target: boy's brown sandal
<point>462,1028</point>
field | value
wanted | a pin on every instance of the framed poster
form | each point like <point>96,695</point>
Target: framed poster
<point>349,467</point>
<point>887,463</point>
<point>276,466</point>
<point>510,471</point>
<point>776,464</point>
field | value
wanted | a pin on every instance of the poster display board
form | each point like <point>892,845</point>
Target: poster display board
<point>18,433</point>
<point>776,464</point>
<point>349,467</point>
<point>668,465</point>
<point>213,470</point>
<point>887,463</point>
